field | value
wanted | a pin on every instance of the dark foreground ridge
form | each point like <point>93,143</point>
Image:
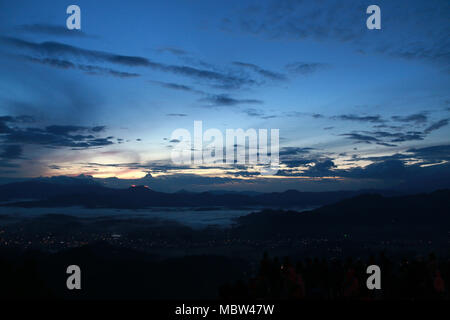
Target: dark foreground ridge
<point>110,272</point>
<point>152,259</point>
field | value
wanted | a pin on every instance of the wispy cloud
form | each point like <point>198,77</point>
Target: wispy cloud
<point>173,50</point>
<point>88,69</point>
<point>263,72</point>
<point>226,100</point>
<point>50,29</point>
<point>360,137</point>
<point>343,21</point>
<point>354,117</point>
<point>437,125</point>
<point>417,118</point>
<point>177,86</point>
<point>176,115</point>
<point>57,49</point>
<point>305,68</point>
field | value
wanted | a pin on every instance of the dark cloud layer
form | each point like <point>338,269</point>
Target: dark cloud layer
<point>58,50</point>
<point>8,154</point>
<point>11,152</point>
<point>432,154</point>
<point>51,136</point>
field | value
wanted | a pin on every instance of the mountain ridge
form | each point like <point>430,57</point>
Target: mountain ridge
<point>48,193</point>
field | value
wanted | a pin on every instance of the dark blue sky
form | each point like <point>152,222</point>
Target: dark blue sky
<point>356,108</point>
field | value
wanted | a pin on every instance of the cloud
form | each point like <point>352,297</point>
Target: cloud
<point>11,152</point>
<point>398,136</point>
<point>6,164</point>
<point>216,99</point>
<point>41,137</point>
<point>427,155</point>
<point>410,136</point>
<point>244,173</point>
<point>295,163</point>
<point>437,125</point>
<point>223,80</point>
<point>88,69</point>
<point>384,138</point>
<point>54,136</point>
<point>4,128</point>
<point>176,115</point>
<point>360,137</point>
<point>305,68</point>
<point>57,48</point>
<point>344,21</point>
<point>96,70</point>
<point>432,154</point>
<point>263,72</point>
<point>398,174</point>
<point>417,118</point>
<point>17,119</point>
<point>173,50</point>
<point>392,170</point>
<point>97,128</point>
<point>50,29</point>
<point>252,112</point>
<point>177,86</point>
<point>228,81</point>
<point>321,168</point>
<point>226,100</point>
<point>354,117</point>
<point>294,157</point>
<point>65,130</point>
<point>386,144</point>
<point>291,151</point>
<point>389,169</point>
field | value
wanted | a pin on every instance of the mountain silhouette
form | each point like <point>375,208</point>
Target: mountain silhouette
<point>85,192</point>
<point>360,216</point>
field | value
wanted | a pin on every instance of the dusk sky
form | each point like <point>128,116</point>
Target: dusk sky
<point>356,108</point>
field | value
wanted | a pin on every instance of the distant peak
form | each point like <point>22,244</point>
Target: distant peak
<point>138,187</point>
<point>85,176</point>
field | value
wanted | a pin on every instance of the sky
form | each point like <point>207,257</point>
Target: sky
<point>355,108</point>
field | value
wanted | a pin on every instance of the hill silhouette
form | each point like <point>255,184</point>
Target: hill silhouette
<point>45,193</point>
<point>360,216</point>
<point>111,272</point>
